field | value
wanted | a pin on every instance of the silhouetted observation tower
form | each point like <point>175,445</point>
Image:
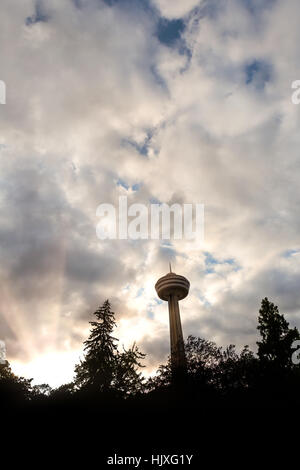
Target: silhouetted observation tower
<point>173,288</point>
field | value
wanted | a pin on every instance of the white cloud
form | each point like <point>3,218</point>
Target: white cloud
<point>84,91</point>
<point>175,8</point>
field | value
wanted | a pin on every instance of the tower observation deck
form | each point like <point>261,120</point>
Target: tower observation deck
<point>173,288</point>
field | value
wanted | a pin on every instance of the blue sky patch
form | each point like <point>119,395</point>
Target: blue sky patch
<point>209,259</point>
<point>40,14</point>
<point>211,262</point>
<point>209,270</point>
<point>122,183</point>
<point>169,31</point>
<point>110,2</point>
<point>290,253</point>
<point>140,292</point>
<point>258,73</point>
<point>256,6</point>
<point>158,78</point>
<point>150,314</point>
<point>153,200</point>
<point>77,3</point>
<point>203,300</point>
<point>132,4</point>
<point>142,148</point>
<point>229,261</point>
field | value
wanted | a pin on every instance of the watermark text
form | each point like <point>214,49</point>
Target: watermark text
<point>2,92</point>
<point>2,352</point>
<point>154,221</point>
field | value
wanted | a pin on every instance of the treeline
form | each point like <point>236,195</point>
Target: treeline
<point>110,377</point>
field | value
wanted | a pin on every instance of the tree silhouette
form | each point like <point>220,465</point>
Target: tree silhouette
<point>212,371</point>
<point>97,369</point>
<point>13,389</point>
<point>277,337</point>
<point>63,392</point>
<point>216,375</point>
<point>41,392</point>
<point>217,370</point>
<point>127,379</point>
<point>105,369</point>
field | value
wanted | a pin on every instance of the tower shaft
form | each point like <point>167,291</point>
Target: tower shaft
<point>178,359</point>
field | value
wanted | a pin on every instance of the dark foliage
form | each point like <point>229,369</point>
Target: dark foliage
<point>110,378</point>
<point>13,390</point>
<point>277,338</point>
<point>104,368</point>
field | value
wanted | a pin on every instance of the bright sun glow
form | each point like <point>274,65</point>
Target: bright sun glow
<point>53,368</point>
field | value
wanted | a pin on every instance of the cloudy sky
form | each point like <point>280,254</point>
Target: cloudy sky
<point>183,101</point>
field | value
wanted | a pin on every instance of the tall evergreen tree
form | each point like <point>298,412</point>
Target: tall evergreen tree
<point>277,337</point>
<point>104,368</point>
<point>96,371</point>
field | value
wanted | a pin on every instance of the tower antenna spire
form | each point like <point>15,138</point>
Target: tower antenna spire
<point>170,267</point>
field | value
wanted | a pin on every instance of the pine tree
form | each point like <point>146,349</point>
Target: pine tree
<point>277,337</point>
<point>96,371</point>
<point>104,368</point>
